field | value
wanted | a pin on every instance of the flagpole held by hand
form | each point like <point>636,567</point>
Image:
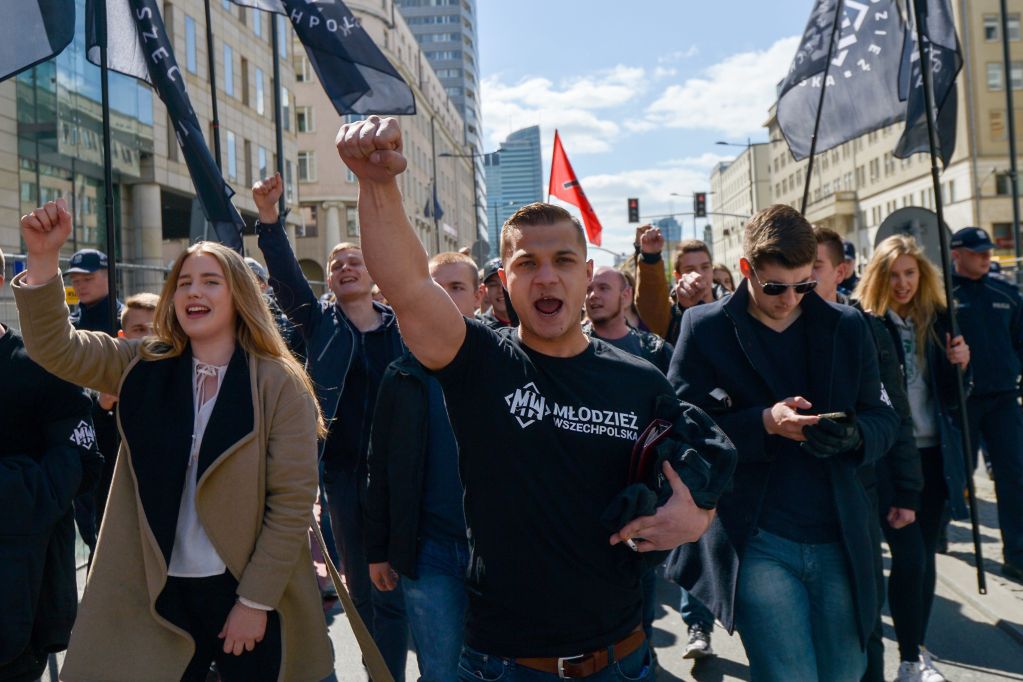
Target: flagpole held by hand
<point>820,106</point>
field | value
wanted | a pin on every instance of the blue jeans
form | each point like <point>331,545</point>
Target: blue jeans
<point>795,612</point>
<point>695,612</point>
<point>475,666</point>
<point>435,604</point>
<point>383,612</point>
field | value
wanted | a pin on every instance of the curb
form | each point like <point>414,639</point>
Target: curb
<point>994,606</point>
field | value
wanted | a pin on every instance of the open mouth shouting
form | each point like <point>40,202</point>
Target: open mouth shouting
<point>548,306</point>
<point>347,279</point>
<point>196,311</point>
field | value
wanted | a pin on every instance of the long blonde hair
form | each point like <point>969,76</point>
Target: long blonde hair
<point>255,330</point>
<point>874,289</point>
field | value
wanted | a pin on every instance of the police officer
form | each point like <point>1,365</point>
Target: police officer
<point>848,285</point>
<point>991,314</point>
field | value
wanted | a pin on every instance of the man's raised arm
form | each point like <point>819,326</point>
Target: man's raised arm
<point>431,325</point>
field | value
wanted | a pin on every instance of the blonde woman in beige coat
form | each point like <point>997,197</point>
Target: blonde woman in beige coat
<point>203,554</point>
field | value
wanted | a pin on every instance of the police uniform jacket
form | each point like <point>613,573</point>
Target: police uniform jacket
<point>257,485</point>
<point>990,314</point>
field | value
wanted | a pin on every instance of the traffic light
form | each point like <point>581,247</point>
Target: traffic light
<point>633,210</point>
<point>700,204</point>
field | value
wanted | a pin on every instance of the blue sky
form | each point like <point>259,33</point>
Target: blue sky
<point>639,90</point>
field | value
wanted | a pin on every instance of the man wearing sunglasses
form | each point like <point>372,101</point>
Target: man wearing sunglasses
<point>793,381</point>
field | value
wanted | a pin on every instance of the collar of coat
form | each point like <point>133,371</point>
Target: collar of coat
<point>157,419</point>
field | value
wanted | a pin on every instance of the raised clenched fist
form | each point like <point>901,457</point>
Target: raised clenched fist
<point>267,193</point>
<point>372,149</point>
<point>47,228</point>
<point>651,240</point>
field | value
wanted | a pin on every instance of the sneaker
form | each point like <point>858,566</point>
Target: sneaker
<point>928,673</point>
<point>699,643</point>
<point>909,671</point>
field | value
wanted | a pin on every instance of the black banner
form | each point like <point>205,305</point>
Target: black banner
<point>33,31</point>
<point>138,46</point>
<point>356,75</point>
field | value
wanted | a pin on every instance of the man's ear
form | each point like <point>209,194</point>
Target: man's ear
<point>745,268</point>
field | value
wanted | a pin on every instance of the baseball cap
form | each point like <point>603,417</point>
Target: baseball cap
<point>490,268</point>
<point>257,269</point>
<point>849,249</point>
<point>87,261</point>
<point>972,238</point>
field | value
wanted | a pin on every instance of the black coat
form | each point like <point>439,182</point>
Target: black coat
<point>397,467</point>
<point>717,353</point>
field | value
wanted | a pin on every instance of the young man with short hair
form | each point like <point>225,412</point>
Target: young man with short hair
<point>498,314</point>
<point>694,282</point>
<point>415,526</point>
<point>349,345</point>
<point>137,315</point>
<point>544,442</point>
<point>794,382</point>
<point>607,298</point>
<point>991,317</point>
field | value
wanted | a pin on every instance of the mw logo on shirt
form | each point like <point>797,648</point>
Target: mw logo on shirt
<point>83,435</point>
<point>528,406</point>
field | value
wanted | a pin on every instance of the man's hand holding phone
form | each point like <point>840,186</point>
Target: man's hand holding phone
<point>833,434</point>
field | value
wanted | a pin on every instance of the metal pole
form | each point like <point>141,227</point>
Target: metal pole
<point>108,171</point>
<point>920,12</point>
<point>212,65</point>
<point>1011,116</point>
<point>278,113</point>
<point>752,182</point>
<point>820,105</point>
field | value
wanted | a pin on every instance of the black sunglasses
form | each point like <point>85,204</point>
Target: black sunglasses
<point>776,289</point>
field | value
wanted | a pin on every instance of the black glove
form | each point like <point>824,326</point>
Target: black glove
<point>830,437</point>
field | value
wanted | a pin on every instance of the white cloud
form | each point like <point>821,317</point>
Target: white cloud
<point>679,55</point>
<point>732,96</point>
<point>578,107</point>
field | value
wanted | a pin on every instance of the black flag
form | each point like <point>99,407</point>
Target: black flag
<point>33,31</point>
<point>138,46</point>
<point>356,75</point>
<point>862,85</point>
<point>946,60</point>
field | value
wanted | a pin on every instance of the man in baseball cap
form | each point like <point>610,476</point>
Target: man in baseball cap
<point>990,313</point>
<point>499,314</point>
<point>848,284</point>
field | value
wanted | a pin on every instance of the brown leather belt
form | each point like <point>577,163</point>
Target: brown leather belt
<point>584,665</point>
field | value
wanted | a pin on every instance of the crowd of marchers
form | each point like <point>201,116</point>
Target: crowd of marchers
<point>505,457</point>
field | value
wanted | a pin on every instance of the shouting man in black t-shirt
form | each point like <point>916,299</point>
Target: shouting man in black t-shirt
<point>545,420</point>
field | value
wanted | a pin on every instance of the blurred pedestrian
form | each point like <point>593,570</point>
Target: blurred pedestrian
<point>723,277</point>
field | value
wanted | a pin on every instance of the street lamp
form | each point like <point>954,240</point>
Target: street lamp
<point>475,183</point>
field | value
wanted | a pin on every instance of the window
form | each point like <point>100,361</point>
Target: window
<point>289,185</point>
<point>307,166</point>
<point>991,26</point>
<point>304,119</point>
<point>301,69</point>
<point>1002,234</point>
<point>228,70</point>
<point>282,37</point>
<point>1016,75</point>
<point>245,81</point>
<point>1013,21</point>
<point>191,57</point>
<point>1003,185</point>
<point>260,107</point>
<point>247,146</point>
<point>232,157</point>
<point>264,170</point>
<point>257,23</point>
<point>286,108</point>
<point>352,220</point>
<point>994,76</point>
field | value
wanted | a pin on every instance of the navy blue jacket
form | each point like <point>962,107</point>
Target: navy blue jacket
<point>719,367</point>
<point>990,314</point>
<point>941,379</point>
<point>329,338</point>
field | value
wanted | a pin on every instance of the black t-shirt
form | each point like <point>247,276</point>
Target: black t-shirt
<point>544,446</point>
<point>799,504</point>
<point>30,399</point>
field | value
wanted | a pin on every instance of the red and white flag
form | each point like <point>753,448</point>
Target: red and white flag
<point>565,186</point>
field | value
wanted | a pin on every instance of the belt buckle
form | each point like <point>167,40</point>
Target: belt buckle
<point>567,659</point>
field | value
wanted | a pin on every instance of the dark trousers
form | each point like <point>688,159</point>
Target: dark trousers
<point>383,612</point>
<point>875,641</point>
<point>913,548</point>
<point>998,419</point>
<point>200,606</point>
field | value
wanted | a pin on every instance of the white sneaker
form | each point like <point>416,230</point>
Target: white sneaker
<point>699,643</point>
<point>928,673</point>
<point>909,671</point>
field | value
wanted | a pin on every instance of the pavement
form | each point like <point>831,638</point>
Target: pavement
<point>976,638</point>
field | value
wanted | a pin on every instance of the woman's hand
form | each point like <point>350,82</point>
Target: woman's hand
<point>957,351</point>
<point>45,230</point>
<point>383,576</point>
<point>900,518</point>
<point>244,629</point>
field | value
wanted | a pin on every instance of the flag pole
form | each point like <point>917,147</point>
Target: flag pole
<point>278,113</point>
<point>1011,118</point>
<point>211,60</point>
<point>820,105</point>
<point>920,16</point>
<point>108,171</point>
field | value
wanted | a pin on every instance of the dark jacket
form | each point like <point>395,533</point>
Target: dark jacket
<point>653,348</point>
<point>990,315</point>
<point>38,592</point>
<point>718,367</point>
<point>898,475</point>
<point>329,338</point>
<point>96,317</point>
<point>941,378</point>
<point>396,462</point>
